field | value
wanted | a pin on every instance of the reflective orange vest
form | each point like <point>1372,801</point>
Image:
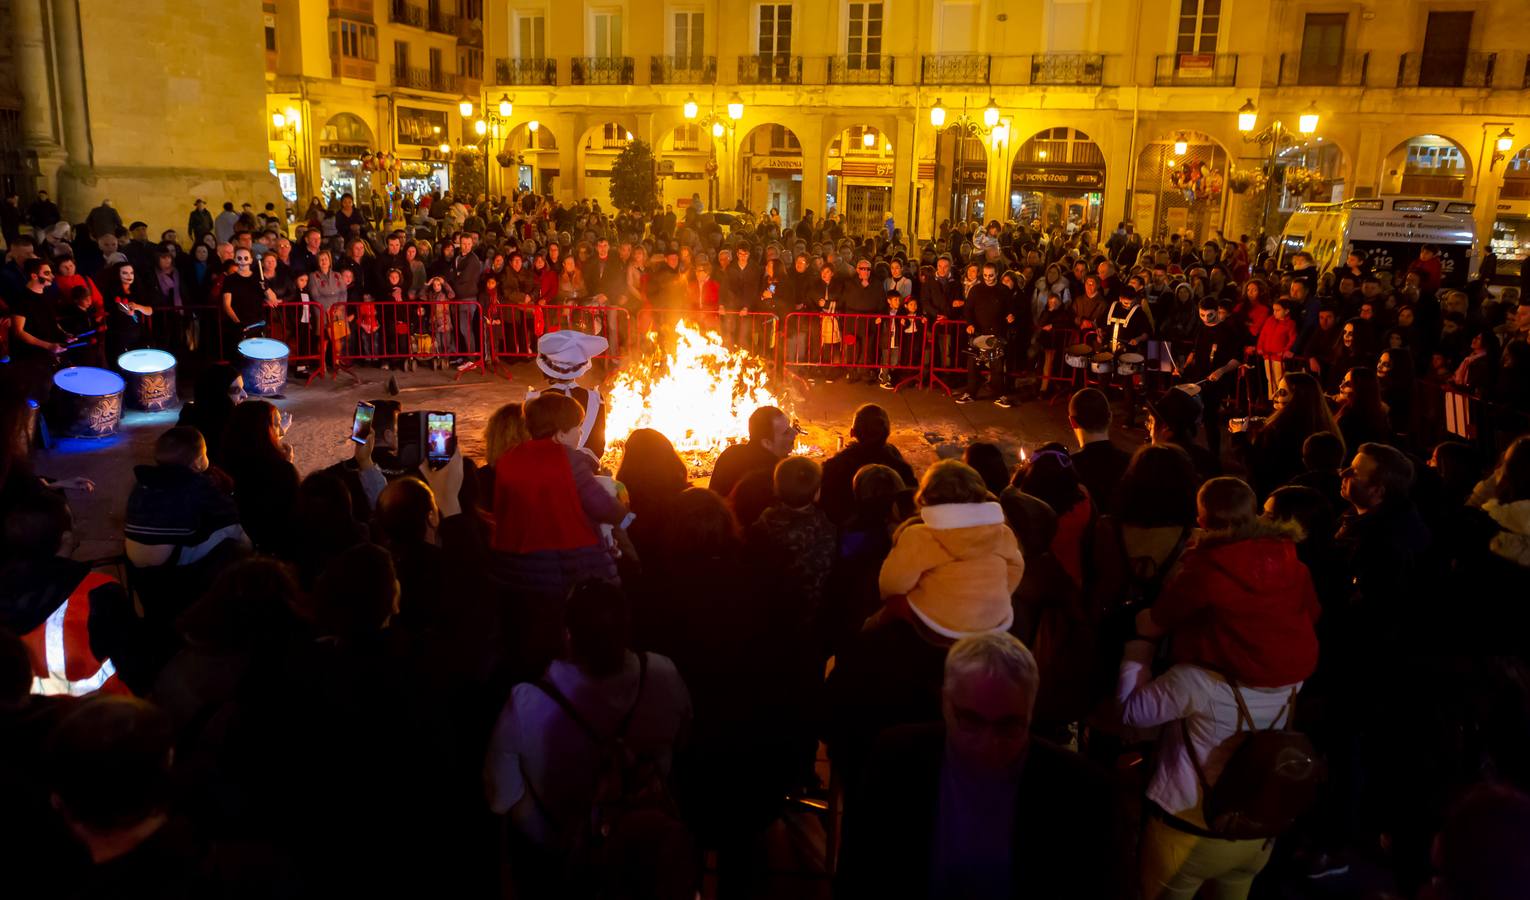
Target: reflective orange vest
<point>60,648</point>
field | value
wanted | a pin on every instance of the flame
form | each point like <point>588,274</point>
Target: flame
<point>698,393</point>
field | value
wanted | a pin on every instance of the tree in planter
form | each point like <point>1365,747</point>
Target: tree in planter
<point>467,175</point>
<point>633,182</point>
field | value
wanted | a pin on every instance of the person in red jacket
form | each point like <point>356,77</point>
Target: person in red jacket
<point>1428,267</point>
<point>1276,343</point>
<point>1240,602</point>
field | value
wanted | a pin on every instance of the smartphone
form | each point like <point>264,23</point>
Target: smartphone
<point>361,425</point>
<point>441,436</point>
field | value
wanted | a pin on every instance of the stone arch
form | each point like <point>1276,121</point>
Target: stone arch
<point>536,151</point>
<point>962,156</point>
<point>770,160</point>
<point>346,128</point>
<point>1180,185</point>
<point>859,166</point>
<point>1431,165</point>
<point>1057,177</point>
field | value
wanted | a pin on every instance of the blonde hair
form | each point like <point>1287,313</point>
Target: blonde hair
<point>506,429</point>
<point>951,481</point>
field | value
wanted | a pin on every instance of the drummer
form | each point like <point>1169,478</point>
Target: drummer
<point>245,301</point>
<point>1126,330</point>
<point>36,338</point>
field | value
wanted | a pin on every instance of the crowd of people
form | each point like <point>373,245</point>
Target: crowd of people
<point>1278,659</point>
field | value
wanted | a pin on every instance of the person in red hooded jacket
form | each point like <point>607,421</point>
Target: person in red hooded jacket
<point>1240,602</point>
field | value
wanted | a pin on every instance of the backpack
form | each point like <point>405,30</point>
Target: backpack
<point>634,824</point>
<point>1271,778</point>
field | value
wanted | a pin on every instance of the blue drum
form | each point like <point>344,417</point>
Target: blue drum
<point>87,402</point>
<point>150,376</point>
<point>264,366</point>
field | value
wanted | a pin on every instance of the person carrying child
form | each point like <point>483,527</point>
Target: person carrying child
<point>955,567</point>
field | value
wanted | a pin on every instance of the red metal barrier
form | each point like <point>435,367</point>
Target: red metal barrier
<point>513,329</point>
<point>392,332</point>
<point>757,332</point>
<point>890,348</point>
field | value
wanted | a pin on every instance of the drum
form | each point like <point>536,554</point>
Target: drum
<point>1077,356</point>
<point>1102,363</point>
<point>87,402</point>
<point>150,376</point>
<point>1129,363</point>
<point>264,365</point>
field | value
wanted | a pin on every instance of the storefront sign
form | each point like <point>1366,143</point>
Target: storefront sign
<point>1030,177</point>
<point>865,169</point>
<point>689,176</point>
<point>343,150</point>
<point>778,162</point>
<point>597,173</point>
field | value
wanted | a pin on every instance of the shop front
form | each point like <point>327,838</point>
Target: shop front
<point>772,166</point>
<point>1179,188</point>
<point>341,171</point>
<point>417,178</point>
<point>860,180</point>
<point>1511,228</point>
<point>1058,181</point>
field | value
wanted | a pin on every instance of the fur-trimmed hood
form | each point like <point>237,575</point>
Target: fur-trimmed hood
<point>1512,542</point>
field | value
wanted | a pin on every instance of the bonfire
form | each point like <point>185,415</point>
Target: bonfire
<point>694,390</point>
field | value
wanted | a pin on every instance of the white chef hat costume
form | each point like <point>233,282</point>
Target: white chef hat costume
<point>565,355</point>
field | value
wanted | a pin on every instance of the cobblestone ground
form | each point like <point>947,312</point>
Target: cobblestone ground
<point>927,425</point>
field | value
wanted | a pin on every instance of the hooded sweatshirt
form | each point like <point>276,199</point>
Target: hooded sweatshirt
<point>1246,609</point>
<point>957,564</point>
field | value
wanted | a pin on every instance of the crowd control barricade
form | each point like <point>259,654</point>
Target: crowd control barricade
<point>948,350</point>
<point>756,332</point>
<point>393,331</point>
<point>512,330</point>
<point>830,344</point>
<point>202,333</point>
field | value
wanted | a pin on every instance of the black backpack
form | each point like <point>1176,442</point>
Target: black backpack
<point>1271,778</point>
<point>634,822</point>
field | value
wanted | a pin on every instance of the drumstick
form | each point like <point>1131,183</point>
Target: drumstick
<point>259,324</point>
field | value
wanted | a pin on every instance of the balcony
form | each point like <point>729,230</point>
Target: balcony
<point>600,70</point>
<point>402,13</point>
<point>442,22</point>
<point>426,80</point>
<point>1196,70</point>
<point>861,69</point>
<point>526,72</point>
<point>1350,70</point>
<point>1068,69</point>
<point>682,69</point>
<point>955,68</point>
<point>767,68</point>
<point>1447,70</point>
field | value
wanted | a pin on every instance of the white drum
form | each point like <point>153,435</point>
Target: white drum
<point>1077,356</point>
<point>87,402</point>
<point>150,376</point>
<point>1102,363</point>
<point>1129,363</point>
<point>264,365</point>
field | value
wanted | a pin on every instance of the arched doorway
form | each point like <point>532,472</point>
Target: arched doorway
<point>596,152</point>
<point>770,171</point>
<point>860,179</point>
<point>1058,180</point>
<point>961,171</point>
<point>1428,165</point>
<point>1179,186</point>
<point>1310,171</point>
<point>535,166</point>
<point>687,166</point>
<point>344,141</point>
<point>1511,228</point>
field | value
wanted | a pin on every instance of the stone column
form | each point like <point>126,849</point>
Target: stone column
<point>39,125</point>
<point>71,80</point>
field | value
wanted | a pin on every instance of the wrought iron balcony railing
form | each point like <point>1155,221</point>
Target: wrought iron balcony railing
<point>767,68</point>
<point>682,69</point>
<point>1196,70</point>
<point>1447,70</point>
<point>955,68</point>
<point>530,72</point>
<point>1349,70</point>
<point>404,13</point>
<point>1068,68</point>
<point>865,68</point>
<point>600,70</point>
<point>426,80</point>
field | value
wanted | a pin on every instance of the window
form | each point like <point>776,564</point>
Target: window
<point>470,9</point>
<point>435,65</point>
<point>400,56</point>
<point>1434,157</point>
<point>470,63</point>
<point>1199,21</point>
<point>1322,48</point>
<point>352,39</point>
<point>1447,40</point>
<point>606,37</point>
<point>687,137</point>
<point>530,35</point>
<point>775,29</point>
<point>864,42</point>
<point>270,33</point>
<point>690,38</point>
<point>781,138</point>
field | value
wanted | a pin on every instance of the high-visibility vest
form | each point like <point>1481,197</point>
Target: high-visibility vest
<point>60,648</point>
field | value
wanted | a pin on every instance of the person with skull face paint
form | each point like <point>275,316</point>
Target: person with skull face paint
<point>1213,361</point>
<point>1354,349</point>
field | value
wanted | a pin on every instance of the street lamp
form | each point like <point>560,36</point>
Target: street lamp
<point>868,138</point>
<point>1307,122</point>
<point>465,106</point>
<point>691,109</point>
<point>991,114</point>
<point>735,107</point>
<point>1181,146</point>
<point>533,126</point>
<point>279,120</point>
<point>1248,116</point>
<point>481,127</point>
<point>1501,146</point>
<point>938,114</point>
<point>505,106</point>
<point>991,126</point>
